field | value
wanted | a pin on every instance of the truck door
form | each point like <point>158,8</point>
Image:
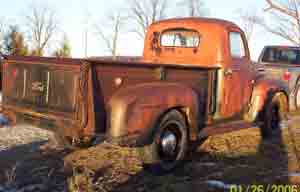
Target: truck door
<point>237,76</point>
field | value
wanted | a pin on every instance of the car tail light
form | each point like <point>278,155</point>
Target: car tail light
<point>287,76</point>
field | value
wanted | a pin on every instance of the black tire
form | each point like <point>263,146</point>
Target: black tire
<point>161,156</point>
<point>273,115</point>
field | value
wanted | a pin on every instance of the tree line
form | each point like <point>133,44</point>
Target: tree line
<point>281,18</point>
<point>41,25</point>
<point>139,15</point>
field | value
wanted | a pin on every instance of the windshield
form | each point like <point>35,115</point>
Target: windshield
<point>180,38</point>
<point>281,55</point>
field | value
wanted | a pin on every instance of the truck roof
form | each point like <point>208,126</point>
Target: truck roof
<point>197,21</point>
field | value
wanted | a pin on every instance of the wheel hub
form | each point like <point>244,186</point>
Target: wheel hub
<point>169,143</point>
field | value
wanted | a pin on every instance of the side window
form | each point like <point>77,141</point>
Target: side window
<point>237,48</point>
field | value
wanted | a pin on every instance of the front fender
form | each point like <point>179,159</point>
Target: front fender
<point>264,89</point>
<point>135,110</point>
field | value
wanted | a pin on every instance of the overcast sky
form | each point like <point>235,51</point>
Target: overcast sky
<point>75,16</point>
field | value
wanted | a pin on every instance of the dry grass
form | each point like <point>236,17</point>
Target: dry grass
<point>11,175</point>
<point>236,158</point>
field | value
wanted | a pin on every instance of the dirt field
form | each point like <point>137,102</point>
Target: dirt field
<point>239,158</point>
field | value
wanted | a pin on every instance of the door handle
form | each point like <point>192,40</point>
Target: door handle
<point>228,72</point>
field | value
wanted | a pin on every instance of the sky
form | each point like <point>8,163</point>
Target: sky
<point>78,17</point>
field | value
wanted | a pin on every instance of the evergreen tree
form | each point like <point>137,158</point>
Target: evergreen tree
<point>64,50</point>
<point>14,43</point>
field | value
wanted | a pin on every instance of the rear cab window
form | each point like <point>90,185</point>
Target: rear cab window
<point>184,38</point>
<point>237,47</point>
<point>281,55</point>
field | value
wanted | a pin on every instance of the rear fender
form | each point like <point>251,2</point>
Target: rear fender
<point>264,89</point>
<point>135,110</point>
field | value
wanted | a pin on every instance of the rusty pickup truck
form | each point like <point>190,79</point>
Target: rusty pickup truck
<point>195,79</point>
<point>283,62</point>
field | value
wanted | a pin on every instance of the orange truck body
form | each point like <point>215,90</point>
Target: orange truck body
<point>201,67</point>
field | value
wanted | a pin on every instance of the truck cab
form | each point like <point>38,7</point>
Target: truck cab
<point>215,44</point>
<point>195,79</point>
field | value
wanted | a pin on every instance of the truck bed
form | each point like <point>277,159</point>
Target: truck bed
<point>47,89</point>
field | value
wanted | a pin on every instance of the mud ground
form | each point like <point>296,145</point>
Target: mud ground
<point>239,158</point>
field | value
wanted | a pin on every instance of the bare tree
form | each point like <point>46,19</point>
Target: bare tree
<point>145,12</point>
<point>2,33</point>
<point>195,8</point>
<point>42,26</point>
<point>283,19</point>
<point>249,19</point>
<point>111,39</point>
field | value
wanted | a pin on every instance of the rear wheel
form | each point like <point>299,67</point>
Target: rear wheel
<point>274,115</point>
<point>169,145</point>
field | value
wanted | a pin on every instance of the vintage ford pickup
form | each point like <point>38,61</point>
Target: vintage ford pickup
<point>195,79</point>
<point>283,62</point>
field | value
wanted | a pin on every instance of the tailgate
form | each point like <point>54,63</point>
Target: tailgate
<point>44,88</point>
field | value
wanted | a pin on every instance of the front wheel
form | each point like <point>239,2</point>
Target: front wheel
<point>274,114</point>
<point>169,145</point>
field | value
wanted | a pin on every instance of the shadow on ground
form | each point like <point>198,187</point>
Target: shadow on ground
<point>240,158</point>
<point>28,168</point>
<point>268,165</point>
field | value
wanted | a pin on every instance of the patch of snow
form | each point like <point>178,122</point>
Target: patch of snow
<point>207,164</point>
<point>37,187</point>
<point>219,185</point>
<point>295,174</point>
<point>19,135</point>
<point>285,124</point>
<point>3,120</point>
<point>7,189</point>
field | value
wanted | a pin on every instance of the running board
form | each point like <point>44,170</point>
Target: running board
<point>225,128</point>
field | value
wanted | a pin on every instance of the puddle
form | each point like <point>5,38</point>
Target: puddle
<point>219,185</point>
